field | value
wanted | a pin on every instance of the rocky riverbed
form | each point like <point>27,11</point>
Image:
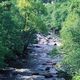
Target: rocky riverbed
<point>37,66</point>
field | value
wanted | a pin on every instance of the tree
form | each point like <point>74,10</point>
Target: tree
<point>20,20</point>
<point>67,18</point>
<point>71,39</point>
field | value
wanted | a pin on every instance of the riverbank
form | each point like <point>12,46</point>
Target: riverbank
<point>38,65</point>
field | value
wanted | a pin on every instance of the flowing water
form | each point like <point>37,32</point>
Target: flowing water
<point>39,65</point>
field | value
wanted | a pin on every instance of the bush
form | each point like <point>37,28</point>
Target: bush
<point>76,77</point>
<point>71,39</point>
<point>54,52</point>
<point>19,22</point>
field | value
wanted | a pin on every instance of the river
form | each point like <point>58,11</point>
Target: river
<point>39,65</point>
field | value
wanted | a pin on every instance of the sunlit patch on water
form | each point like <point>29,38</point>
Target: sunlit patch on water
<point>22,70</point>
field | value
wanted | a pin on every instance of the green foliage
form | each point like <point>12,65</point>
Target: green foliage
<point>59,10</point>
<point>10,31</point>
<point>71,39</point>
<point>55,52</point>
<point>65,16</point>
<point>20,20</point>
<point>76,77</point>
<point>57,13</point>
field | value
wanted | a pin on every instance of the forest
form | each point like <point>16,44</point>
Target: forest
<point>21,20</point>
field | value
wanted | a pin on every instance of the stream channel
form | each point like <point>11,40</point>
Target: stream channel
<point>39,65</point>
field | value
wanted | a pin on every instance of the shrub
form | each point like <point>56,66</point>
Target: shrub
<point>70,34</point>
<point>76,77</point>
<point>54,52</point>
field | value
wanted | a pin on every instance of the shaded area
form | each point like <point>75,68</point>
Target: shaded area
<point>38,65</point>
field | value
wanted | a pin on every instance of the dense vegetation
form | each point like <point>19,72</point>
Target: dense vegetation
<point>65,16</point>
<point>20,20</point>
<point>68,17</point>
